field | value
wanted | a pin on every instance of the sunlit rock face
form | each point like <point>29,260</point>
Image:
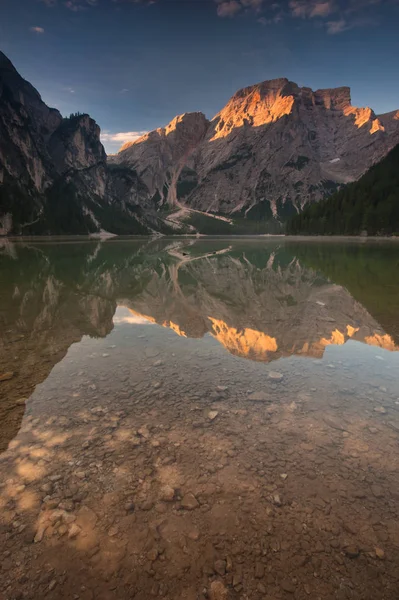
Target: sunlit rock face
<point>272,149</point>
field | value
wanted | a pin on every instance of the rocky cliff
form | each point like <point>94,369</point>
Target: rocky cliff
<point>273,148</point>
<point>53,172</point>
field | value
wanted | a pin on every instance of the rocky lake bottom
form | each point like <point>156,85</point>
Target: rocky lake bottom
<point>199,420</point>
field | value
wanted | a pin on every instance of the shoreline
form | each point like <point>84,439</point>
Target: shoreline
<point>262,237</point>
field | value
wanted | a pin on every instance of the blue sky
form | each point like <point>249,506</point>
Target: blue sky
<point>135,64</point>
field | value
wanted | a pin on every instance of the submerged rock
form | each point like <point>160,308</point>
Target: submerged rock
<point>6,376</point>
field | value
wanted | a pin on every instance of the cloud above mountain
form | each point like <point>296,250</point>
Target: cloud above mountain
<point>336,15</point>
<point>113,141</point>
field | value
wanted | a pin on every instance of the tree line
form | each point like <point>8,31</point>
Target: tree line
<point>370,205</point>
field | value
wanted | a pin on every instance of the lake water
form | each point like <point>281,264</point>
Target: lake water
<point>191,419</point>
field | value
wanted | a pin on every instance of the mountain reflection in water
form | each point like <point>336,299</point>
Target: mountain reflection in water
<point>197,420</point>
<point>260,301</point>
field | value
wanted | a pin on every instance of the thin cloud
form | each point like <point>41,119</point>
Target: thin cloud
<point>38,30</point>
<point>122,136</point>
<point>335,27</point>
<point>75,6</point>
<point>229,8</point>
<point>336,11</point>
<point>304,9</point>
<point>255,5</point>
<point>68,89</point>
<point>322,9</point>
<point>336,16</point>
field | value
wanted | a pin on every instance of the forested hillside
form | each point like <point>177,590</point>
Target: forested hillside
<point>370,204</point>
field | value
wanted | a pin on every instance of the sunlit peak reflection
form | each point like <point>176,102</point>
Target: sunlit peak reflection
<point>247,342</point>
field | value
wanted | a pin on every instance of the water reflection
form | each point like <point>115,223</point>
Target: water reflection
<point>155,459</point>
<point>260,302</point>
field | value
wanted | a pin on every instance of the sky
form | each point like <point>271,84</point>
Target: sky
<point>135,64</point>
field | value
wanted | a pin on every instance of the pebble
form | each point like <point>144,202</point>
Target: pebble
<point>275,376</point>
<point>189,501</point>
<point>380,409</point>
<point>352,551</point>
<point>7,376</point>
<point>40,533</point>
<point>259,570</point>
<point>334,422</point>
<point>378,492</point>
<point>152,555</point>
<point>167,493</point>
<point>113,531</point>
<point>288,586</point>
<point>62,530</point>
<point>220,567</point>
<point>74,531</point>
<point>218,591</point>
<point>379,552</point>
<point>212,414</point>
<point>193,534</point>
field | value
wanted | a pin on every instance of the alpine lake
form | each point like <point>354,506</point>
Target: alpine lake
<point>199,419</point>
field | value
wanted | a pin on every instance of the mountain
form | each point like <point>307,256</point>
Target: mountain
<point>274,148</point>
<point>54,177</point>
<point>369,205</point>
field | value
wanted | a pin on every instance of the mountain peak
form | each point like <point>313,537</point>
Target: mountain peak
<point>187,121</point>
<point>264,87</point>
<point>270,100</point>
<point>338,98</point>
<point>332,98</point>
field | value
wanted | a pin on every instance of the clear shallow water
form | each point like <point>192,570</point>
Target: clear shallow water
<point>199,419</point>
